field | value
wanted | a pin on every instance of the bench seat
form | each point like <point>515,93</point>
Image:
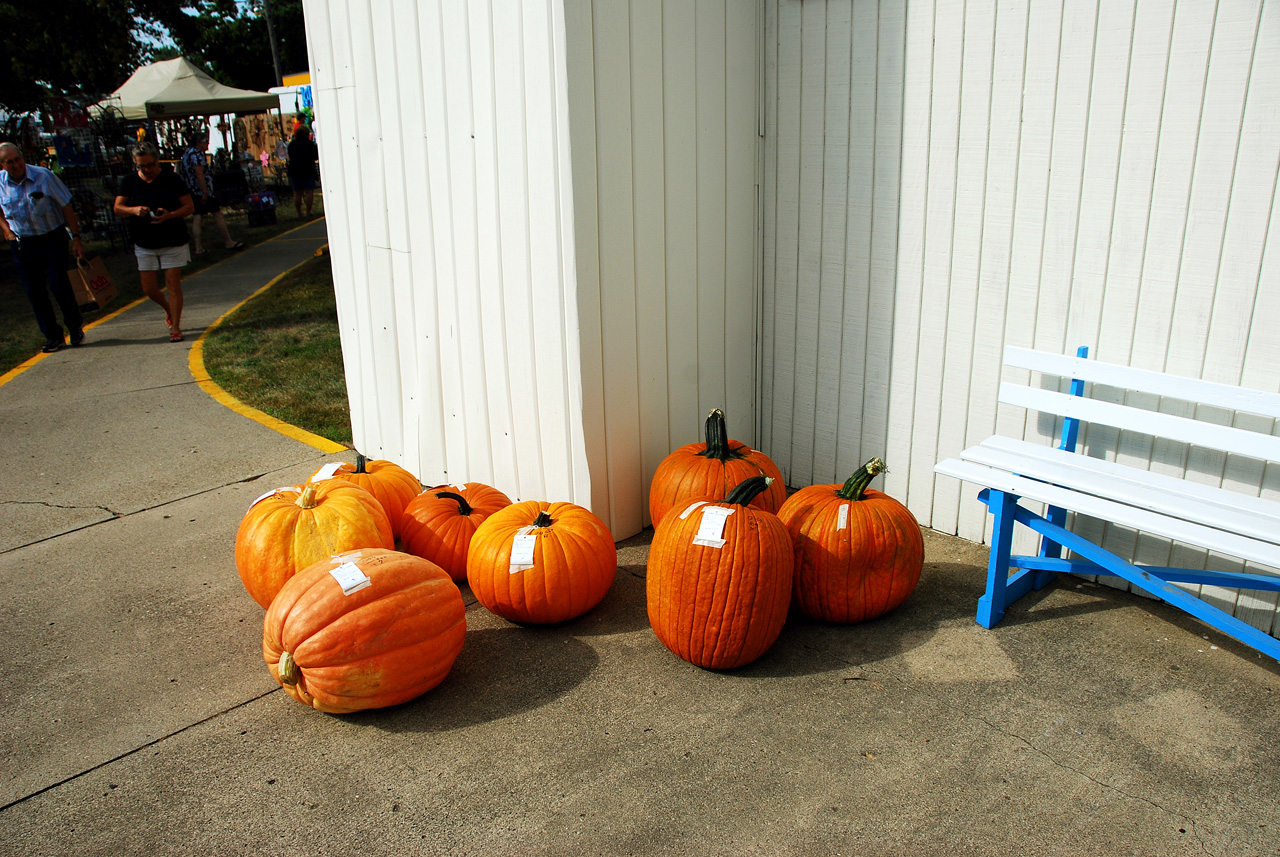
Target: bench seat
<point>1213,518</point>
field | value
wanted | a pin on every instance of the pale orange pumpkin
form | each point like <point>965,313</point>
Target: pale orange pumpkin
<point>290,528</point>
<point>390,483</point>
<point>383,644</point>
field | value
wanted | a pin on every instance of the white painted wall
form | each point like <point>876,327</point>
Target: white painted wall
<point>944,178</point>
<point>542,220</point>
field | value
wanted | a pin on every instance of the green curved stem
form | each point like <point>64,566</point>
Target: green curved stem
<point>748,489</point>
<point>717,434</point>
<point>464,508</point>
<point>856,484</point>
<point>360,463</point>
<point>543,520</point>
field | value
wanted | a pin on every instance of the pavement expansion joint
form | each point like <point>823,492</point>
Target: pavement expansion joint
<point>126,754</point>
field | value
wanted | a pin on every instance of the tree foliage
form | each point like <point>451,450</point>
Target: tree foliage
<point>90,47</point>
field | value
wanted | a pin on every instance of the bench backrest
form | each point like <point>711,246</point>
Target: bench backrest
<point>1241,441</point>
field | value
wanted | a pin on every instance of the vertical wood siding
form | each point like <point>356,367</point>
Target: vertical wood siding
<point>542,216</point>
<point>664,101</point>
<point>1046,174</point>
<point>443,135</point>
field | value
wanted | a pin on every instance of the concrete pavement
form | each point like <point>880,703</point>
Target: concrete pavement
<point>137,716</point>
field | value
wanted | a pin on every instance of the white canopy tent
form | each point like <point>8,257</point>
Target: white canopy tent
<point>176,88</point>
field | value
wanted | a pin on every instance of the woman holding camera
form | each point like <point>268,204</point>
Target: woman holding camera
<point>156,203</point>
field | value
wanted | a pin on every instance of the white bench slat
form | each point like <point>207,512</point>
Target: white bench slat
<point>1157,492</point>
<point>1144,380</point>
<point>1210,435</point>
<point>1266,553</point>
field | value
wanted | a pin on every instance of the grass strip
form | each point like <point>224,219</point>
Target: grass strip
<point>280,352</point>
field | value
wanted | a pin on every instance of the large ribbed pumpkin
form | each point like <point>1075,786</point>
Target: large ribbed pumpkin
<point>710,470</point>
<point>389,482</point>
<point>858,551</point>
<point>438,524</point>
<point>380,645</point>
<point>720,601</point>
<point>571,567</point>
<point>289,529</point>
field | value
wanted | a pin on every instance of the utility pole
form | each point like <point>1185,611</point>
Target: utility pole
<point>271,37</point>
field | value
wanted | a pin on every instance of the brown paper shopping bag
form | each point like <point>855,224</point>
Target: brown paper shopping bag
<point>92,284</point>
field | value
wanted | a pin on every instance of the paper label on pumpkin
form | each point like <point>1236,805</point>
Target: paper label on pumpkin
<point>350,577</point>
<point>711,527</point>
<point>522,546</point>
<point>687,512</point>
<point>271,493</point>
<point>842,518</point>
<point>327,471</point>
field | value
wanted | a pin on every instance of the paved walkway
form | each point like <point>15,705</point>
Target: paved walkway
<point>137,716</point>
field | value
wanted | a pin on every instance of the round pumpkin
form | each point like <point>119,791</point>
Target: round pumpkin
<point>710,470</point>
<point>389,482</point>
<point>290,528</point>
<point>858,551</point>
<point>567,566</point>
<point>371,644</point>
<point>720,600</point>
<point>438,524</point>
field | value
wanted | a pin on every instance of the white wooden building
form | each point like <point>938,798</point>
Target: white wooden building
<point>564,230</point>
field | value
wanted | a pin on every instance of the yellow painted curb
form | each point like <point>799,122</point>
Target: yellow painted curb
<point>195,360</point>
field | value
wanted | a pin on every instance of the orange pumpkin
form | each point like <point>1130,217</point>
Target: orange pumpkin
<point>383,644</point>
<point>290,528</point>
<point>858,552</point>
<point>389,482</point>
<point>568,566</point>
<point>710,470</point>
<point>718,595</point>
<point>438,524</point>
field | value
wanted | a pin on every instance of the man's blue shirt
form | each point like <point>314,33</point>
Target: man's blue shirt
<point>33,206</point>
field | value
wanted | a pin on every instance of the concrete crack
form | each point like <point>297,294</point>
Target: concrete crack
<point>49,505</point>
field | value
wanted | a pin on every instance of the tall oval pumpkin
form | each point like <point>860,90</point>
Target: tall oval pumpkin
<point>391,484</point>
<point>719,579</point>
<point>858,551</point>
<point>541,562</point>
<point>438,524</point>
<point>287,530</point>
<point>710,470</point>
<point>340,644</point>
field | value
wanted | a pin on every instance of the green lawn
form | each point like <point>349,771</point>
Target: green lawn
<point>280,352</point>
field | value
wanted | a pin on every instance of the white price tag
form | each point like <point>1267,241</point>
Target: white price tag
<point>711,528</point>
<point>842,519</point>
<point>689,510</point>
<point>327,471</point>
<point>270,493</point>
<point>522,550</point>
<point>350,578</point>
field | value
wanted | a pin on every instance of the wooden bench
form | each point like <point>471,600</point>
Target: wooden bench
<point>1093,484</point>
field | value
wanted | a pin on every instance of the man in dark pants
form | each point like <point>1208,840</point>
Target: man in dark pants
<point>37,216</point>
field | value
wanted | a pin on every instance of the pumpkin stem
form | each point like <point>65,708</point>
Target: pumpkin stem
<point>746,490</point>
<point>288,669</point>
<point>307,499</point>
<point>857,483</point>
<point>464,508</point>
<point>543,520</point>
<point>717,434</point>
<point>360,463</point>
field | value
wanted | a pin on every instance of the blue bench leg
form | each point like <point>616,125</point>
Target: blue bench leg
<point>1049,548</point>
<point>991,605</point>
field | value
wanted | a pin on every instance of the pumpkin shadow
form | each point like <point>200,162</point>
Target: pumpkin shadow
<point>807,646</point>
<point>500,672</point>
<point>622,610</point>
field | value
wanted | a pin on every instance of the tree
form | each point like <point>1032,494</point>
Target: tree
<point>92,46</point>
